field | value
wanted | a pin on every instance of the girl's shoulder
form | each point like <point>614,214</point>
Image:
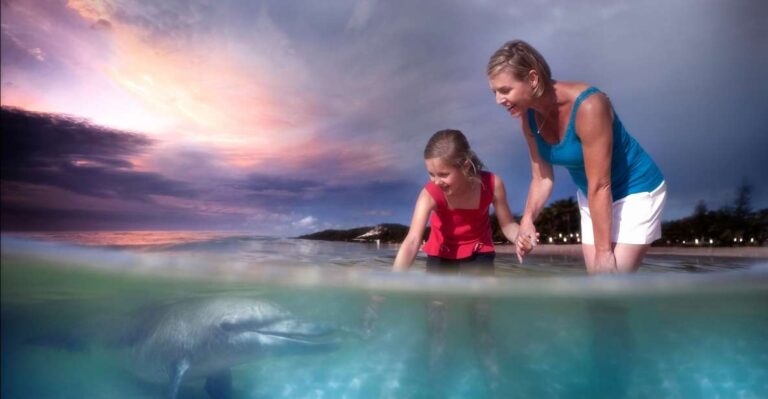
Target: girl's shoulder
<point>487,175</point>
<point>490,181</point>
<point>433,194</point>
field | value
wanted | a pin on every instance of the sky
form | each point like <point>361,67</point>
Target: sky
<point>287,117</point>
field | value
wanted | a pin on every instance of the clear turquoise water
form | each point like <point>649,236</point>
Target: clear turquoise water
<point>539,331</point>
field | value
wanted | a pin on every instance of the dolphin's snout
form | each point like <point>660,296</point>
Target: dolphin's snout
<point>296,328</point>
<point>286,336</point>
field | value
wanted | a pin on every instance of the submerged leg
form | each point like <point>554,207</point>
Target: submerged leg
<point>628,256</point>
<point>436,319</point>
<point>371,315</point>
<point>485,344</point>
<point>612,349</point>
<point>219,385</point>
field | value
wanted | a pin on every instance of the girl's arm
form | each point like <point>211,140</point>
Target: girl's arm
<point>594,122</point>
<point>542,180</point>
<point>509,227</point>
<point>410,246</point>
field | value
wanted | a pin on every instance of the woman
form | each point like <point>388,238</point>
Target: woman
<point>621,190</point>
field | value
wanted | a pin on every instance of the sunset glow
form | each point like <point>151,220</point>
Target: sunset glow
<point>283,117</point>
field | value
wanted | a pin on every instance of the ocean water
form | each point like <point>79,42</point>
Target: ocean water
<point>684,327</point>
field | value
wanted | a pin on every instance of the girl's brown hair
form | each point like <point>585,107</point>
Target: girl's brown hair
<point>452,146</point>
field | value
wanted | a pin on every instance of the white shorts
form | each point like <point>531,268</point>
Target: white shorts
<point>636,217</point>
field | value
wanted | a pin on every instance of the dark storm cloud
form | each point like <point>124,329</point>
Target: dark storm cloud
<point>278,185</point>
<point>74,155</point>
<point>360,195</point>
<point>30,218</point>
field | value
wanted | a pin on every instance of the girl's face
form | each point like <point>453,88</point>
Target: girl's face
<point>448,177</point>
<point>511,93</point>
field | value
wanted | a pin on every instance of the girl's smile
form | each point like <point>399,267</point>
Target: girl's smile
<point>456,185</point>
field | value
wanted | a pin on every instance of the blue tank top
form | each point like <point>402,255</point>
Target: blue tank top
<point>632,169</point>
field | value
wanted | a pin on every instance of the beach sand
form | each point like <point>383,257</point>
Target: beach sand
<point>575,250</point>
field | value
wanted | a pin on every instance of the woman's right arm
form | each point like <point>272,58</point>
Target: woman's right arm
<point>410,246</point>
<point>542,181</point>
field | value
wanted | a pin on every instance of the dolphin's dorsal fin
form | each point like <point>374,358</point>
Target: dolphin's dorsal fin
<point>177,371</point>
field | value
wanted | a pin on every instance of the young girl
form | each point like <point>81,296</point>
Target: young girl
<point>458,197</point>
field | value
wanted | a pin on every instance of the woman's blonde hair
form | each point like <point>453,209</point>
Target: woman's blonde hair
<point>519,58</point>
<point>452,146</point>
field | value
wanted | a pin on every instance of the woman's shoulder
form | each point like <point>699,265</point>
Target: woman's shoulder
<point>589,98</point>
<point>571,90</point>
<point>594,103</point>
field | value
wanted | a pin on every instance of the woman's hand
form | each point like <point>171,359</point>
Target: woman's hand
<point>527,238</point>
<point>605,262</point>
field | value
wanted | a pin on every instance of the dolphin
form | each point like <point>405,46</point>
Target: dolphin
<point>204,338</point>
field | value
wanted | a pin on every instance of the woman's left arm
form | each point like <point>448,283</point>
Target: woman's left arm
<point>594,126</point>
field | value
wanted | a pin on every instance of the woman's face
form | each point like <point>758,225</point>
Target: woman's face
<point>511,93</point>
<point>448,177</point>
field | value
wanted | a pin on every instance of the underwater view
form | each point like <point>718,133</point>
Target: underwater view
<point>198,315</point>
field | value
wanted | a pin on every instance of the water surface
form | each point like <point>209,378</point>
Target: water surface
<point>684,327</point>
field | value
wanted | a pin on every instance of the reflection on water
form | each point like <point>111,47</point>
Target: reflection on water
<point>243,249</point>
<point>65,313</point>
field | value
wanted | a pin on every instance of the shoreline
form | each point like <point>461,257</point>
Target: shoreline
<point>575,250</point>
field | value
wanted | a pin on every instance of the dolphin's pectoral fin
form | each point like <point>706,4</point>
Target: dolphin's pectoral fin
<point>219,385</point>
<point>177,371</point>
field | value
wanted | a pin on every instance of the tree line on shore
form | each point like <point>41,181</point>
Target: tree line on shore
<point>734,224</point>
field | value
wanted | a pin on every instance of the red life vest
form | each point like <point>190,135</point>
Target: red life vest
<point>460,233</point>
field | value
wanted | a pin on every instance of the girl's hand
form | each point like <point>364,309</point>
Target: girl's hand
<point>526,240</point>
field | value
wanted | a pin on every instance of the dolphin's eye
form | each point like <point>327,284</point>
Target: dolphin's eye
<point>228,326</point>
